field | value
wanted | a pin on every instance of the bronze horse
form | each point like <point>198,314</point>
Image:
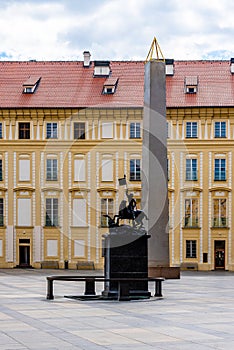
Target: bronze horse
<point>127,213</point>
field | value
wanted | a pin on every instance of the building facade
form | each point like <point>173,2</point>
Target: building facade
<point>70,130</point>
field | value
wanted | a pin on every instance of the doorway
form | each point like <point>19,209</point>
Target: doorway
<point>219,250</point>
<point>24,252</point>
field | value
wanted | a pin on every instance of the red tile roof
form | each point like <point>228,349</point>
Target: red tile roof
<point>215,84</point>
<point>69,84</point>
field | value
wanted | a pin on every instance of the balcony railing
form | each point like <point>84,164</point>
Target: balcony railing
<point>220,222</point>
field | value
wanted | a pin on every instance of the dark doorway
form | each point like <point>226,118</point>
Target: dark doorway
<point>219,255</point>
<point>24,255</point>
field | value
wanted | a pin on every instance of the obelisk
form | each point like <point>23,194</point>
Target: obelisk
<point>154,164</point>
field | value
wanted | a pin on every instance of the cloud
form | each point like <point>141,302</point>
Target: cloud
<point>116,29</point>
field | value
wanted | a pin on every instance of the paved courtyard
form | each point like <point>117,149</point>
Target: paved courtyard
<point>196,312</point>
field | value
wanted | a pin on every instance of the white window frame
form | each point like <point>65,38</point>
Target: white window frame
<point>53,132</point>
<point>54,212</point>
<point>135,130</point>
<point>51,169</point>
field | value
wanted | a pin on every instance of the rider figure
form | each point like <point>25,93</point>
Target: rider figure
<point>132,204</point>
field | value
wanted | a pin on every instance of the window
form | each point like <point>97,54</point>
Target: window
<point>29,89</point>
<point>220,169</point>
<point>51,169</point>
<point>79,212</point>
<point>1,175</point>
<point>79,169</point>
<point>0,130</point>
<point>135,130</point>
<point>51,130</point>
<point>191,169</point>
<point>220,212</point>
<point>79,248</point>
<point>107,169</point>
<point>191,89</point>
<point>191,129</point>
<point>109,90</point>
<point>101,68</point>
<point>24,211</point>
<point>24,170</point>
<point>168,130</point>
<point>52,247</point>
<point>24,130</point>
<point>107,208</point>
<point>168,169</point>
<point>135,169</point>
<point>220,129</point>
<point>51,212</point>
<point>191,212</point>
<point>191,249</point>
<point>1,212</point>
<point>79,131</point>
<point>107,130</point>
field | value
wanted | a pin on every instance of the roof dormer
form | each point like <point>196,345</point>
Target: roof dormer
<point>31,84</point>
<point>191,83</point>
<point>101,68</point>
<point>110,85</point>
<point>232,65</point>
<point>169,66</point>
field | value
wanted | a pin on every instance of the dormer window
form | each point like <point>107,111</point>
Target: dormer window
<point>191,84</point>
<point>169,66</point>
<point>110,85</point>
<point>31,84</point>
<point>101,68</point>
<point>232,65</point>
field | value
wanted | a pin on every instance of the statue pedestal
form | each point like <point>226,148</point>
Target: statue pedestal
<point>126,256</point>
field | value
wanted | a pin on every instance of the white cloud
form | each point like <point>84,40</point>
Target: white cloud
<point>116,29</point>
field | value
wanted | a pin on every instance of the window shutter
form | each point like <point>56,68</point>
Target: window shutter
<point>24,170</point>
<point>107,170</point>
<point>24,211</point>
<point>79,169</point>
<point>52,247</point>
<point>79,212</point>
<point>107,130</point>
<point>79,247</point>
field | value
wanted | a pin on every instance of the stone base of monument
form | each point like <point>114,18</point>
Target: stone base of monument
<point>125,251</point>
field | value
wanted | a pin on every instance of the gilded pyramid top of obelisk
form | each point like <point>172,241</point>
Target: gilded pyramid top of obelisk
<point>155,52</point>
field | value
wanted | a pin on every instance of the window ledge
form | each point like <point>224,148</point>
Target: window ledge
<point>191,227</point>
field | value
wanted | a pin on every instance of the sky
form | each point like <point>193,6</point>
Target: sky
<point>115,29</point>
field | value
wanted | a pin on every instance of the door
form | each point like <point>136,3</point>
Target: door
<point>24,255</point>
<point>219,255</point>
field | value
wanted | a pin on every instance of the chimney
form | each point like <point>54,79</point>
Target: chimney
<point>87,56</point>
<point>232,65</point>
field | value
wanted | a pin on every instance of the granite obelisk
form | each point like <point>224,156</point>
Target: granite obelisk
<point>154,163</point>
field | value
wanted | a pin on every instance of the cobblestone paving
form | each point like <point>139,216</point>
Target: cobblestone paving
<point>196,312</point>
